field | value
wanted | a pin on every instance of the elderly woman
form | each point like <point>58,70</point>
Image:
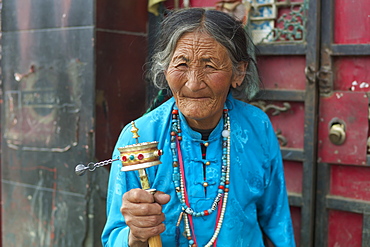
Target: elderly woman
<point>221,181</point>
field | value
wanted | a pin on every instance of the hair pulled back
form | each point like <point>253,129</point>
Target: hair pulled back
<point>226,30</point>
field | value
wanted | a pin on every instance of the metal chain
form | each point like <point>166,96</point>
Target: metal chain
<point>92,166</point>
<point>80,168</point>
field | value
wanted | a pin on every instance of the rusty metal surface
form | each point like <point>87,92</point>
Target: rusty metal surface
<point>352,109</point>
<point>350,181</point>
<point>339,232</point>
<point>352,73</point>
<point>40,14</point>
<point>293,169</point>
<point>48,115</point>
<point>275,70</point>
<point>351,22</point>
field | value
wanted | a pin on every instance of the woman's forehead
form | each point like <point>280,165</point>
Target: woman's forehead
<point>199,44</point>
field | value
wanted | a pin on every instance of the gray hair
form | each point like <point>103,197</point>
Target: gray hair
<point>223,28</point>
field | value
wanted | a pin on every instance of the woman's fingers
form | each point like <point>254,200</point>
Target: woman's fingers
<point>161,197</point>
<point>143,213</point>
<point>146,221</point>
<point>143,234</point>
<point>140,203</point>
<point>140,208</point>
<point>138,195</point>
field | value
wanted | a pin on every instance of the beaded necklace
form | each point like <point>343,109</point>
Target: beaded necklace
<point>180,182</point>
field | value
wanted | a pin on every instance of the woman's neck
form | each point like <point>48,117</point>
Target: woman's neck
<point>204,124</point>
<point>205,133</point>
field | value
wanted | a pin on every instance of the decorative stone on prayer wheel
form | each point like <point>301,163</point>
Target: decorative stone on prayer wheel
<point>140,156</point>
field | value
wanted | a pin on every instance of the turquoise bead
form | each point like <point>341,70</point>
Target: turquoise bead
<point>176,176</point>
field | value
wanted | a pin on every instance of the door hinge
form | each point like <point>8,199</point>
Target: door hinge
<point>325,74</point>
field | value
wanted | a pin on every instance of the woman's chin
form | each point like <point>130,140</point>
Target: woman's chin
<point>195,113</point>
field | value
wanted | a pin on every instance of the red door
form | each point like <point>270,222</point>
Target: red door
<point>343,172</point>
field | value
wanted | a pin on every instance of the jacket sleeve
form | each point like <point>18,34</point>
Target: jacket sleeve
<point>116,232</point>
<point>273,207</point>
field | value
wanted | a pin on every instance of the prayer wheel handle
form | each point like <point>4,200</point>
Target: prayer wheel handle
<point>155,241</point>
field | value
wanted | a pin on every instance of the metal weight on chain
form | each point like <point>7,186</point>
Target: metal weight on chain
<point>80,169</point>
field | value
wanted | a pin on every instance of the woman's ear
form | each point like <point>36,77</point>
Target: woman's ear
<point>240,74</point>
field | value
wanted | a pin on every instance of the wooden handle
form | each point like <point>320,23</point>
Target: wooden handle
<point>155,241</point>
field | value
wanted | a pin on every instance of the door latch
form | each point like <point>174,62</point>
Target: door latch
<point>337,133</point>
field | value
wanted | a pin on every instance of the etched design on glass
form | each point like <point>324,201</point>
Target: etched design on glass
<point>278,21</point>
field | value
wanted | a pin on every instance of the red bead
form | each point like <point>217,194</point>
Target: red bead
<point>206,212</point>
<point>189,237</point>
<point>221,187</point>
<point>226,190</point>
<point>173,133</point>
<point>225,110</point>
<point>175,112</point>
<point>179,138</point>
<point>159,152</point>
<point>227,182</point>
<point>140,156</point>
<point>124,158</point>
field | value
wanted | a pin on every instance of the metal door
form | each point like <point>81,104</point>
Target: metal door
<point>318,103</point>
<point>287,36</point>
<point>48,83</point>
<point>343,172</point>
<point>320,111</point>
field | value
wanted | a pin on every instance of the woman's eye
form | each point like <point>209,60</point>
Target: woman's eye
<point>208,66</point>
<point>181,65</point>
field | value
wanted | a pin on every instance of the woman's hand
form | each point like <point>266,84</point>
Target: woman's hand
<point>143,214</point>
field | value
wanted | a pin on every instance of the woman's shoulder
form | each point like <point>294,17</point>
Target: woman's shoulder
<point>251,118</point>
<point>157,115</point>
<point>248,110</point>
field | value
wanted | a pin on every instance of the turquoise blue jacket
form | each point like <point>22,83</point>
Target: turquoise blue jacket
<point>257,201</point>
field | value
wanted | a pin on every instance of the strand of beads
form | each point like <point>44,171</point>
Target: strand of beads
<point>179,178</point>
<point>177,173</point>
<point>226,164</point>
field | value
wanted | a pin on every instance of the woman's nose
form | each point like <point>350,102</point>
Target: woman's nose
<point>195,80</point>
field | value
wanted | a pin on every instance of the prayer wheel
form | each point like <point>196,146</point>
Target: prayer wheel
<point>134,157</point>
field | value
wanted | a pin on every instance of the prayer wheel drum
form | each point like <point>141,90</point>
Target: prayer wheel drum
<point>139,156</point>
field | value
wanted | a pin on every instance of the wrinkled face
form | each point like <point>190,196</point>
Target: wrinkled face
<point>200,75</point>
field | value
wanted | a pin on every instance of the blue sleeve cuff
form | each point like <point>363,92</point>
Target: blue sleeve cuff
<point>119,238</point>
